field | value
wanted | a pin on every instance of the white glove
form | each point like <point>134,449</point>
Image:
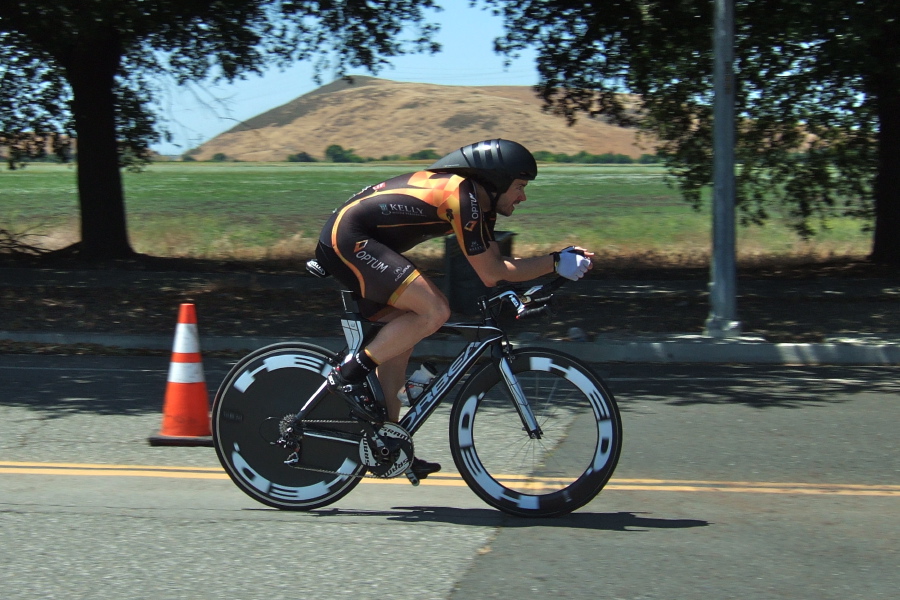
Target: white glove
<point>570,264</point>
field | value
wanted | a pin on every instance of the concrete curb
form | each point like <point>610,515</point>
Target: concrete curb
<point>699,349</point>
<point>674,348</point>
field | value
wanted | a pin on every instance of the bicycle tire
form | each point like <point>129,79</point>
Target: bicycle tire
<point>262,388</point>
<point>556,474</point>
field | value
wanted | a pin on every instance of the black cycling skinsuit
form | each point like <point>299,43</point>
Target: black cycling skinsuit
<point>362,241</point>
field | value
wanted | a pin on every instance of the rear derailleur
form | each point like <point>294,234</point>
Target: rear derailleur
<point>291,438</point>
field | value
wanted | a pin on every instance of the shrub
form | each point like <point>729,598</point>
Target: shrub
<point>301,157</point>
<point>428,154</point>
<point>337,154</point>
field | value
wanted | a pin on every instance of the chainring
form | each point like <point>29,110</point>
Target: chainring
<point>396,443</point>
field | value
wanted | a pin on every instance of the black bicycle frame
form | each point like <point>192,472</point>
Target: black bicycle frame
<point>358,332</point>
<point>482,336</point>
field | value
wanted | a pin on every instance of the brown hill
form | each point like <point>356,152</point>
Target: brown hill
<point>378,117</point>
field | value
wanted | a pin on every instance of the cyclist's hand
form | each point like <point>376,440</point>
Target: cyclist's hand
<point>572,263</point>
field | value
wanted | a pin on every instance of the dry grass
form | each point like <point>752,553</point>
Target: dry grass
<point>636,260</point>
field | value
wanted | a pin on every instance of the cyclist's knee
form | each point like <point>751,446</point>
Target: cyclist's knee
<point>425,300</point>
<point>433,314</point>
<point>439,314</point>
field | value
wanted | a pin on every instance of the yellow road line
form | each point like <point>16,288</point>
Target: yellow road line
<point>454,480</point>
<point>113,473</point>
<point>100,467</point>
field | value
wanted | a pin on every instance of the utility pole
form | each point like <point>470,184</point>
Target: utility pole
<point>722,321</point>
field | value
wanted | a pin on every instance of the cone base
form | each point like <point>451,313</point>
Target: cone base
<point>178,440</point>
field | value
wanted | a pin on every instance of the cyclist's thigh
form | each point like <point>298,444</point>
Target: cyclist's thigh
<point>377,273</point>
<point>351,278</point>
<point>421,296</point>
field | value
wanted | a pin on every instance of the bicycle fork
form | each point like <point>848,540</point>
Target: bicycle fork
<point>529,421</point>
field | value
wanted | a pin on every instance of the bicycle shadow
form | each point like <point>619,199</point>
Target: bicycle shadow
<point>486,517</point>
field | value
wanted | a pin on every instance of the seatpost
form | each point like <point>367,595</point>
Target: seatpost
<point>351,322</point>
<point>357,331</point>
<point>348,298</point>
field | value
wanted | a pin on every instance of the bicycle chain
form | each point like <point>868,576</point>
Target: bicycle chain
<point>366,475</point>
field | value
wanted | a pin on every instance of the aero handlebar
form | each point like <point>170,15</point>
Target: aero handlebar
<point>533,302</point>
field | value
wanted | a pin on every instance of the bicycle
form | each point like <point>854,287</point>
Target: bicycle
<point>533,431</point>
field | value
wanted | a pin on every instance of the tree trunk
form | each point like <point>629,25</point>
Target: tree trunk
<point>886,240</point>
<point>90,67</point>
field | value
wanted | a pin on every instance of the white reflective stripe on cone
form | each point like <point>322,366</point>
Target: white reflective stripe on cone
<point>187,339</point>
<point>180,372</point>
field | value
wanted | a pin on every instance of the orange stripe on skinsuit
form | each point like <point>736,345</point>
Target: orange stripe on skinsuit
<point>426,179</point>
<point>406,283</point>
<point>428,190</point>
<point>412,224</point>
<point>432,196</point>
<point>334,246</point>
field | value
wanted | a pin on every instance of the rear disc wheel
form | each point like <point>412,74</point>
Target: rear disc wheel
<point>255,400</point>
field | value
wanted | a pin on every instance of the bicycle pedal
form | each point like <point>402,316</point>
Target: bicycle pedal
<point>412,478</point>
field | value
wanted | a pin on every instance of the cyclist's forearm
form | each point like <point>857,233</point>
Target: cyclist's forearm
<point>526,269</point>
<point>495,268</point>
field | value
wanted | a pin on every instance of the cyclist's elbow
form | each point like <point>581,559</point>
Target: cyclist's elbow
<point>489,281</point>
<point>490,267</point>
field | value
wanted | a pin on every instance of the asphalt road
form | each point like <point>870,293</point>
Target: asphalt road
<point>735,482</point>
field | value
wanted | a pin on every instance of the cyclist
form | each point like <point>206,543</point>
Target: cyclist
<point>363,241</point>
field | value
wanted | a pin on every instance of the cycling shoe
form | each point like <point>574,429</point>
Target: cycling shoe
<point>423,468</point>
<point>358,396</point>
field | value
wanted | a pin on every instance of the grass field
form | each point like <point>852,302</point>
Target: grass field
<point>274,210</point>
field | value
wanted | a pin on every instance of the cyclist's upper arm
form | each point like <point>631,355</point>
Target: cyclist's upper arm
<point>490,265</point>
<point>469,220</point>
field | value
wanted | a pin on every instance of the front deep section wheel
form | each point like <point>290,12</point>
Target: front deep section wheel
<point>553,474</point>
<point>252,408</point>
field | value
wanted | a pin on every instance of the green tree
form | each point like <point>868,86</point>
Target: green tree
<point>88,70</point>
<point>337,154</point>
<point>427,154</point>
<point>300,157</point>
<point>817,89</point>
<point>648,159</point>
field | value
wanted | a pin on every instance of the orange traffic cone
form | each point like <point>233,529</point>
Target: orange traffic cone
<point>186,406</point>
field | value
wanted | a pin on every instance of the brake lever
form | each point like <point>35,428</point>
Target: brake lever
<point>540,294</point>
<point>546,309</point>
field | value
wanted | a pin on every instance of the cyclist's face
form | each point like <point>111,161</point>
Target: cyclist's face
<point>513,196</point>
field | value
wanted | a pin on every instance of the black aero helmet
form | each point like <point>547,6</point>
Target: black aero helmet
<point>492,163</point>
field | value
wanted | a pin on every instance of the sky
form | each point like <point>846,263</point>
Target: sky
<point>199,112</point>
